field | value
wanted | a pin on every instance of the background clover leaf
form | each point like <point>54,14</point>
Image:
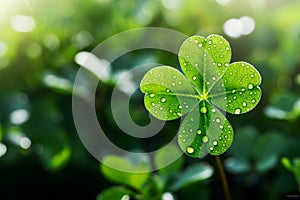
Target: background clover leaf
<point>211,84</point>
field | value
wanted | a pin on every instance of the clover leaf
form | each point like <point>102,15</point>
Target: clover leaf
<point>208,87</point>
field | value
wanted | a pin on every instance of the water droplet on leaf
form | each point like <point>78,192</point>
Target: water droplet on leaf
<point>190,150</point>
<point>237,111</point>
<point>205,139</point>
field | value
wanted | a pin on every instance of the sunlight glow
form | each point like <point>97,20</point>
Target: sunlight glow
<point>19,116</point>
<point>99,67</point>
<point>3,149</point>
<point>22,23</point>
<point>237,27</point>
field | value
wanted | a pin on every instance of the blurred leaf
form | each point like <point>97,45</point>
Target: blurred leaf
<point>116,193</point>
<point>297,171</point>
<point>128,175</point>
<point>1,131</point>
<point>242,146</point>
<point>271,143</point>
<point>194,173</point>
<point>153,188</point>
<point>283,106</point>
<point>59,84</point>
<point>267,151</point>
<point>164,160</point>
<point>237,165</point>
<point>286,162</point>
<point>266,163</point>
<point>53,149</point>
<point>293,167</point>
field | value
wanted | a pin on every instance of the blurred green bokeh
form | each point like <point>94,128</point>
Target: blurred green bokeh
<point>39,146</point>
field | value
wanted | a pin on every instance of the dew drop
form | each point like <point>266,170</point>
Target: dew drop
<point>152,95</point>
<point>243,89</point>
<point>199,132</point>
<point>234,97</point>
<point>213,110</point>
<point>237,111</point>
<point>210,42</point>
<point>250,86</point>
<point>205,139</point>
<point>194,78</point>
<point>219,64</point>
<point>218,120</point>
<point>153,104</point>
<point>244,104</point>
<point>211,148</point>
<point>173,84</point>
<point>170,111</point>
<point>180,107</point>
<point>190,150</point>
<point>215,142</point>
<point>227,48</point>
<point>160,108</point>
<point>221,126</point>
<point>179,114</point>
<point>253,101</point>
<point>196,41</point>
<point>168,90</point>
<point>184,64</point>
<point>163,100</point>
<point>233,91</point>
<point>251,93</point>
<point>203,110</point>
<point>252,75</point>
<point>200,45</point>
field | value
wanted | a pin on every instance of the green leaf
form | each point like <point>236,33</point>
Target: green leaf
<point>117,192</point>
<point>242,94</point>
<point>204,60</point>
<point>202,133</point>
<point>55,150</point>
<point>286,162</point>
<point>237,165</point>
<point>163,160</point>
<point>127,176</point>
<point>242,147</point>
<point>211,85</point>
<point>194,173</point>
<point>169,95</point>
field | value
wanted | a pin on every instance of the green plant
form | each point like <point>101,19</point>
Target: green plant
<point>151,186</point>
<point>209,86</point>
<point>293,167</point>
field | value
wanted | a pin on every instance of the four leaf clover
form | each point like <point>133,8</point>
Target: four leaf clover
<point>208,88</point>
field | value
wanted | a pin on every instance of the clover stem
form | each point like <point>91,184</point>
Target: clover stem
<point>223,177</point>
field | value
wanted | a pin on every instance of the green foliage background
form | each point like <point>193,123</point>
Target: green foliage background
<point>57,164</point>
